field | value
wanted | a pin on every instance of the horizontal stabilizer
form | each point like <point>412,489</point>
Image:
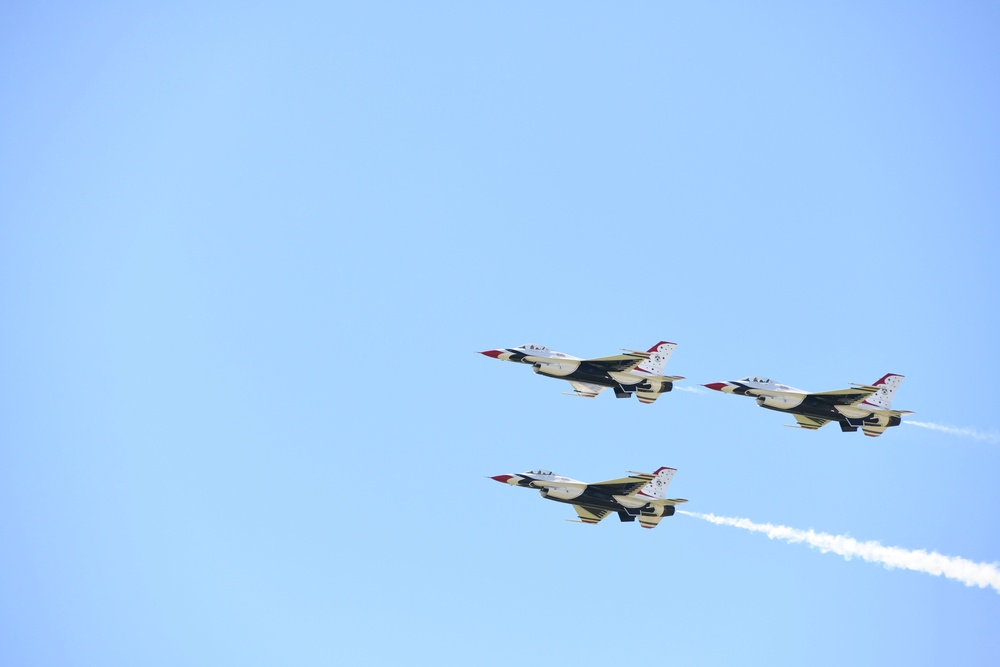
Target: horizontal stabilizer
<point>585,389</point>
<point>635,353</point>
<point>808,423</point>
<point>589,515</point>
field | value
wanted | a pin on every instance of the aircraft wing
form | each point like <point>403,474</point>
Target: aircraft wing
<point>588,515</point>
<point>845,396</point>
<point>808,422</point>
<point>585,389</point>
<point>618,363</point>
<point>624,486</point>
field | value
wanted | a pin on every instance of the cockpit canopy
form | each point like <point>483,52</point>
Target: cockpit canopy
<point>756,378</point>
<point>540,472</point>
<point>534,347</point>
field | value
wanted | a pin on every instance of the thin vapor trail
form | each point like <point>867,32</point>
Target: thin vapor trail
<point>968,572</point>
<point>690,390</point>
<point>988,436</point>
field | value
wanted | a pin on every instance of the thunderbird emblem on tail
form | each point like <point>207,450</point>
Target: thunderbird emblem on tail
<point>627,373</point>
<point>865,406</point>
<point>640,495</point>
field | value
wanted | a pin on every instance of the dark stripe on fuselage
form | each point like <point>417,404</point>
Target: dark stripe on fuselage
<point>595,375</point>
<point>585,373</point>
<point>811,408</point>
<point>820,409</point>
<point>597,501</point>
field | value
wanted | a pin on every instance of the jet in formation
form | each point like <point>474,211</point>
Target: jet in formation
<point>631,372</point>
<point>866,406</point>
<point>640,495</point>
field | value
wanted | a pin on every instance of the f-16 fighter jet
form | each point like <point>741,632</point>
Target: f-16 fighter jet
<point>867,406</point>
<point>639,372</point>
<point>640,495</point>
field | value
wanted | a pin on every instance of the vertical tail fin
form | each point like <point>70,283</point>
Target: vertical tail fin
<point>658,356</point>
<point>887,386</point>
<point>657,487</point>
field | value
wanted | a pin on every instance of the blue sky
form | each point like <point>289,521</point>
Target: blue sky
<point>247,254</point>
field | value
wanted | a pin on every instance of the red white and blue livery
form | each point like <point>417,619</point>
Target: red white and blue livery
<point>868,407</point>
<point>631,372</point>
<point>638,496</point>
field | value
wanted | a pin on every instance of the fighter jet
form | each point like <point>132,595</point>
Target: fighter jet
<point>639,372</point>
<point>640,495</point>
<point>867,406</point>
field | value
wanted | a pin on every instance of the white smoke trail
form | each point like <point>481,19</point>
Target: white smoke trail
<point>690,390</point>
<point>988,436</point>
<point>968,572</point>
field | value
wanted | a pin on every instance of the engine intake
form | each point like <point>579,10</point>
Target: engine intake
<point>560,369</point>
<point>560,493</point>
<point>778,402</point>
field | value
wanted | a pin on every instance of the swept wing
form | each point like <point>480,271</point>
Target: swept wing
<point>808,422</point>
<point>845,396</point>
<point>588,515</point>
<point>623,486</point>
<point>585,389</point>
<point>618,363</point>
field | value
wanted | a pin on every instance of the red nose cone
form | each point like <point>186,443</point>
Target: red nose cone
<point>501,478</point>
<point>492,353</point>
<point>717,386</point>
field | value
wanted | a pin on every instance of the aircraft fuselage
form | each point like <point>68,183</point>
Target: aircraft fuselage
<point>795,401</point>
<point>578,370</point>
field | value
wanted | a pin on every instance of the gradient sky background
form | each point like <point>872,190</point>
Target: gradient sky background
<point>247,254</point>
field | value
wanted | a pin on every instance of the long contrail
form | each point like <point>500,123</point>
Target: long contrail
<point>988,436</point>
<point>968,572</point>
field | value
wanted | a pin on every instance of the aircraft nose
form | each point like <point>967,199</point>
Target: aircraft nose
<point>492,353</point>
<point>717,386</point>
<point>503,479</point>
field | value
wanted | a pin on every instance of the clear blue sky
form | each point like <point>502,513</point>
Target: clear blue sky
<point>247,253</point>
